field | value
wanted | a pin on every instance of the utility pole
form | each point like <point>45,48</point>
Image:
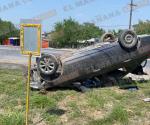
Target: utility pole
<point>131,13</point>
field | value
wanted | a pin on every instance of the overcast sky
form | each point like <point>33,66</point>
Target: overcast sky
<point>108,14</point>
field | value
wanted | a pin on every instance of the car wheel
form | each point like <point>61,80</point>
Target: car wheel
<point>108,37</point>
<point>128,40</point>
<point>47,65</point>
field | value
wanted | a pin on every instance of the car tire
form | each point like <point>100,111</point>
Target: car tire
<point>108,37</point>
<point>47,65</point>
<point>128,40</point>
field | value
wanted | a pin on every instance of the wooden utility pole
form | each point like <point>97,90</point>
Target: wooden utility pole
<point>131,13</point>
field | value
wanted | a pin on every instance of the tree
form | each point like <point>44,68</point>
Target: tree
<point>69,32</point>
<point>7,29</point>
<point>66,33</point>
<point>89,30</point>
<point>142,27</point>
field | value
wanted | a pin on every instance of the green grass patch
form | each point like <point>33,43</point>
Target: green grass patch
<point>14,118</point>
<point>101,106</point>
<point>75,111</point>
<point>95,100</point>
<point>42,101</point>
<point>118,115</point>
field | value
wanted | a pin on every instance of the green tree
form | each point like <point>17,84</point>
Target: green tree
<point>7,29</point>
<point>89,30</point>
<point>142,27</point>
<point>66,33</point>
<point>69,32</point>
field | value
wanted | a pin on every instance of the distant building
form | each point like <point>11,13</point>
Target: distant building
<point>14,41</point>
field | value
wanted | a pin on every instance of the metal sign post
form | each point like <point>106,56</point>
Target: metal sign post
<point>30,36</point>
<point>28,90</point>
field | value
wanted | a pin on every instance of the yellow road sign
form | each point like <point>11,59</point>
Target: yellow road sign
<point>30,37</point>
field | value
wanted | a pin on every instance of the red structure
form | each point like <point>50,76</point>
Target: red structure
<point>45,43</point>
<point>6,42</point>
<point>16,42</point>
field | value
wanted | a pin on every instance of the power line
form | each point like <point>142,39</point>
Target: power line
<point>113,25</point>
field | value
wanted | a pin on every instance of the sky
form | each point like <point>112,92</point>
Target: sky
<point>107,14</point>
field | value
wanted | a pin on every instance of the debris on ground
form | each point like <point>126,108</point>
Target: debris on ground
<point>146,100</point>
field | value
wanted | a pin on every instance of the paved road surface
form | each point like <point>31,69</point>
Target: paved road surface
<point>10,54</point>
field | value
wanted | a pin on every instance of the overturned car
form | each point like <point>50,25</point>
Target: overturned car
<point>70,67</point>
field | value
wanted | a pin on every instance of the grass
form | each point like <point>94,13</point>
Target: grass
<point>14,118</point>
<point>118,114</point>
<point>101,106</point>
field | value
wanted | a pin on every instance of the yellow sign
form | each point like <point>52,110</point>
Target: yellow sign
<point>30,39</point>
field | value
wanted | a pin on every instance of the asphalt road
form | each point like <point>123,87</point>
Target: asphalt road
<point>11,54</point>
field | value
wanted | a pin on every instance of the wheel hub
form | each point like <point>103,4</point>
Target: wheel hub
<point>129,38</point>
<point>47,65</point>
